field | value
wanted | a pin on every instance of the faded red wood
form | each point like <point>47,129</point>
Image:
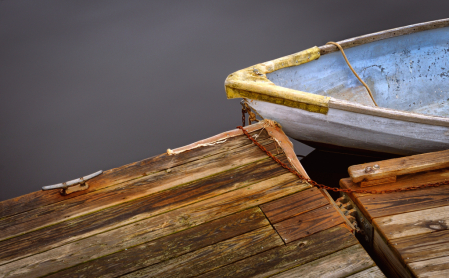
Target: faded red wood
<point>293,205</point>
<point>308,223</point>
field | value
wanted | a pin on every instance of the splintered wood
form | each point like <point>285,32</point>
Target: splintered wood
<point>213,210</point>
<point>409,230</point>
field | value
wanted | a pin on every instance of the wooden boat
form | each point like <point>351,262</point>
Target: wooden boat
<point>408,230</point>
<point>218,207</point>
<point>318,100</point>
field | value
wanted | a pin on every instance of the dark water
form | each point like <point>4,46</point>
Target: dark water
<point>89,85</point>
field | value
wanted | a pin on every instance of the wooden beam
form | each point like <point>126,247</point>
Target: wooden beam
<point>399,166</point>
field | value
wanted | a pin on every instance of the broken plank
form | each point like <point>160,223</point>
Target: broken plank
<point>100,221</point>
<point>293,205</point>
<point>291,255</point>
<point>131,171</point>
<point>435,268</point>
<point>155,227</point>
<point>413,223</point>
<point>214,256</point>
<point>372,272</point>
<point>423,246</point>
<point>113,195</point>
<point>170,246</point>
<point>339,264</point>
<point>308,223</point>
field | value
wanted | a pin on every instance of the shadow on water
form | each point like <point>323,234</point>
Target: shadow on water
<point>328,167</point>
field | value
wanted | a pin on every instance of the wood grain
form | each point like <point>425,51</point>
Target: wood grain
<point>407,201</point>
<point>339,264</point>
<point>169,247</point>
<point>155,227</point>
<point>435,268</point>
<point>395,267</point>
<point>113,195</point>
<point>293,205</point>
<point>413,223</point>
<point>214,256</point>
<point>308,223</point>
<point>372,272</point>
<point>94,223</point>
<point>291,255</point>
<point>423,247</point>
<point>400,166</point>
<point>124,173</point>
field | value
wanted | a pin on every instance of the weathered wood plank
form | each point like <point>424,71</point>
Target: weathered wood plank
<point>372,272</point>
<point>288,256</point>
<point>113,195</point>
<point>339,264</point>
<point>402,181</point>
<point>293,205</point>
<point>169,247</point>
<point>413,223</point>
<point>130,171</point>
<point>395,266</point>
<point>308,223</point>
<point>400,166</point>
<point>423,247</point>
<point>154,227</point>
<point>407,201</point>
<point>90,224</point>
<point>214,256</point>
<point>435,268</point>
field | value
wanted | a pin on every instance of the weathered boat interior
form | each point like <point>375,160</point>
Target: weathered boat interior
<point>408,230</point>
<point>407,72</point>
<point>216,208</point>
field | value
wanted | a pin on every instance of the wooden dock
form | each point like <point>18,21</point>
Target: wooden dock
<point>216,208</point>
<point>408,230</point>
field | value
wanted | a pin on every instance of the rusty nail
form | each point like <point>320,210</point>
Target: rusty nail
<point>369,169</point>
<point>376,166</point>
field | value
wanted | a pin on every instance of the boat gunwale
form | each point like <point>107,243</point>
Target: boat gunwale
<point>386,34</point>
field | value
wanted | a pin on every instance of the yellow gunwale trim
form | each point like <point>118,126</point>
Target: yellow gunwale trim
<point>252,83</point>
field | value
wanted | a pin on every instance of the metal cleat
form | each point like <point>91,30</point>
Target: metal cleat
<point>73,185</point>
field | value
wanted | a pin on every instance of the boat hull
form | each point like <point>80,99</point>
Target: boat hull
<point>354,130</point>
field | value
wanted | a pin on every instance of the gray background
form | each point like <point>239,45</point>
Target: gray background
<point>89,85</point>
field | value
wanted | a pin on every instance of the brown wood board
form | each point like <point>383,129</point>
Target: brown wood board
<point>413,223</point>
<point>155,227</point>
<point>128,172</point>
<point>423,246</point>
<point>372,272</point>
<point>214,256</point>
<point>308,223</point>
<point>339,264</point>
<point>293,205</point>
<point>133,189</point>
<point>100,221</point>
<point>435,268</point>
<point>170,246</point>
<point>285,257</point>
<point>400,166</point>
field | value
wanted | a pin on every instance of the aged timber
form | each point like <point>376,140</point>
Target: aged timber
<point>408,229</point>
<point>219,206</point>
